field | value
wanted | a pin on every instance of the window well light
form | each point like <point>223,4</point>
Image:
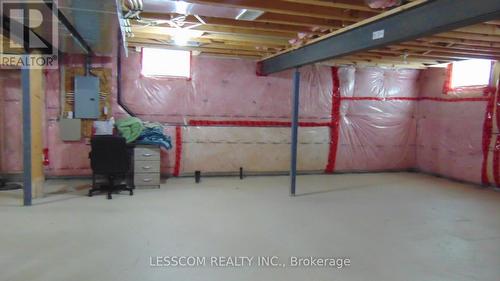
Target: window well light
<point>166,63</point>
<point>474,72</point>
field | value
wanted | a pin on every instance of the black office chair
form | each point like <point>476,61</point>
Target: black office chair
<point>110,157</point>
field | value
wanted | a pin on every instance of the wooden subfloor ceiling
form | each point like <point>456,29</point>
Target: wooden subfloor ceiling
<point>284,21</point>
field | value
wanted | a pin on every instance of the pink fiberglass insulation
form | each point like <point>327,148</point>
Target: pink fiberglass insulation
<point>377,122</point>
<point>375,134</point>
<point>11,155</point>
<point>449,134</point>
<point>66,158</point>
<point>228,90</point>
<point>222,89</point>
<point>228,117</point>
<point>71,158</point>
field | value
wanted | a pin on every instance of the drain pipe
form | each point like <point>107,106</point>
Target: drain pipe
<point>119,77</point>
<point>88,65</point>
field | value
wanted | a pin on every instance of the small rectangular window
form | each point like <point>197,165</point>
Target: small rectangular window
<point>471,73</point>
<point>166,63</point>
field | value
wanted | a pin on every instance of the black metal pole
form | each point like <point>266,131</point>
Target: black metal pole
<point>295,130</point>
<point>25,80</point>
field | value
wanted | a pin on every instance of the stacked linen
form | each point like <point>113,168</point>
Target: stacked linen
<point>153,134</point>
<point>130,128</point>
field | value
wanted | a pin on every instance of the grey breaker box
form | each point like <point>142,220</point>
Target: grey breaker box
<point>87,97</point>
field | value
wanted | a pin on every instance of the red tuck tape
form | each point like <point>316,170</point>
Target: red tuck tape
<point>416,99</point>
<point>496,153</point>
<point>496,160</point>
<point>447,83</point>
<point>258,70</point>
<point>454,100</point>
<point>178,150</point>
<point>244,123</point>
<point>487,135</point>
<point>335,124</point>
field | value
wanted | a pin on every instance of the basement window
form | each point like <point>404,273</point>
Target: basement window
<point>468,76</point>
<point>166,63</point>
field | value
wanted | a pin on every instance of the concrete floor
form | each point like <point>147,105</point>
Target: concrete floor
<point>398,226</point>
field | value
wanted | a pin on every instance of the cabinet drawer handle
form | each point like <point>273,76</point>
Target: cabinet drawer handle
<point>147,180</point>
<point>146,167</point>
<point>147,154</point>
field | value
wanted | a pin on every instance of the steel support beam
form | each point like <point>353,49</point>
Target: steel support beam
<point>427,19</point>
<point>295,130</point>
<point>26,101</point>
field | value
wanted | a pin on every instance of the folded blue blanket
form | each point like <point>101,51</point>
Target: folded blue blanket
<point>154,135</point>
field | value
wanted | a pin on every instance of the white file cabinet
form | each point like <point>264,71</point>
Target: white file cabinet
<point>146,166</point>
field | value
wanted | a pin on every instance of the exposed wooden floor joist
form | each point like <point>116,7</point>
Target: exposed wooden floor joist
<point>287,24</point>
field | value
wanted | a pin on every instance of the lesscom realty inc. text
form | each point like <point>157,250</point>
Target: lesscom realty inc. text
<point>248,261</point>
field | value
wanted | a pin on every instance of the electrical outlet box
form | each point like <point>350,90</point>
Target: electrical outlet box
<point>87,97</point>
<point>70,129</point>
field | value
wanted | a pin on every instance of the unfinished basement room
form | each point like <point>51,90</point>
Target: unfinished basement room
<point>234,140</point>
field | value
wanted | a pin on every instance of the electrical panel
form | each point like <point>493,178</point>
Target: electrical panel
<point>87,97</point>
